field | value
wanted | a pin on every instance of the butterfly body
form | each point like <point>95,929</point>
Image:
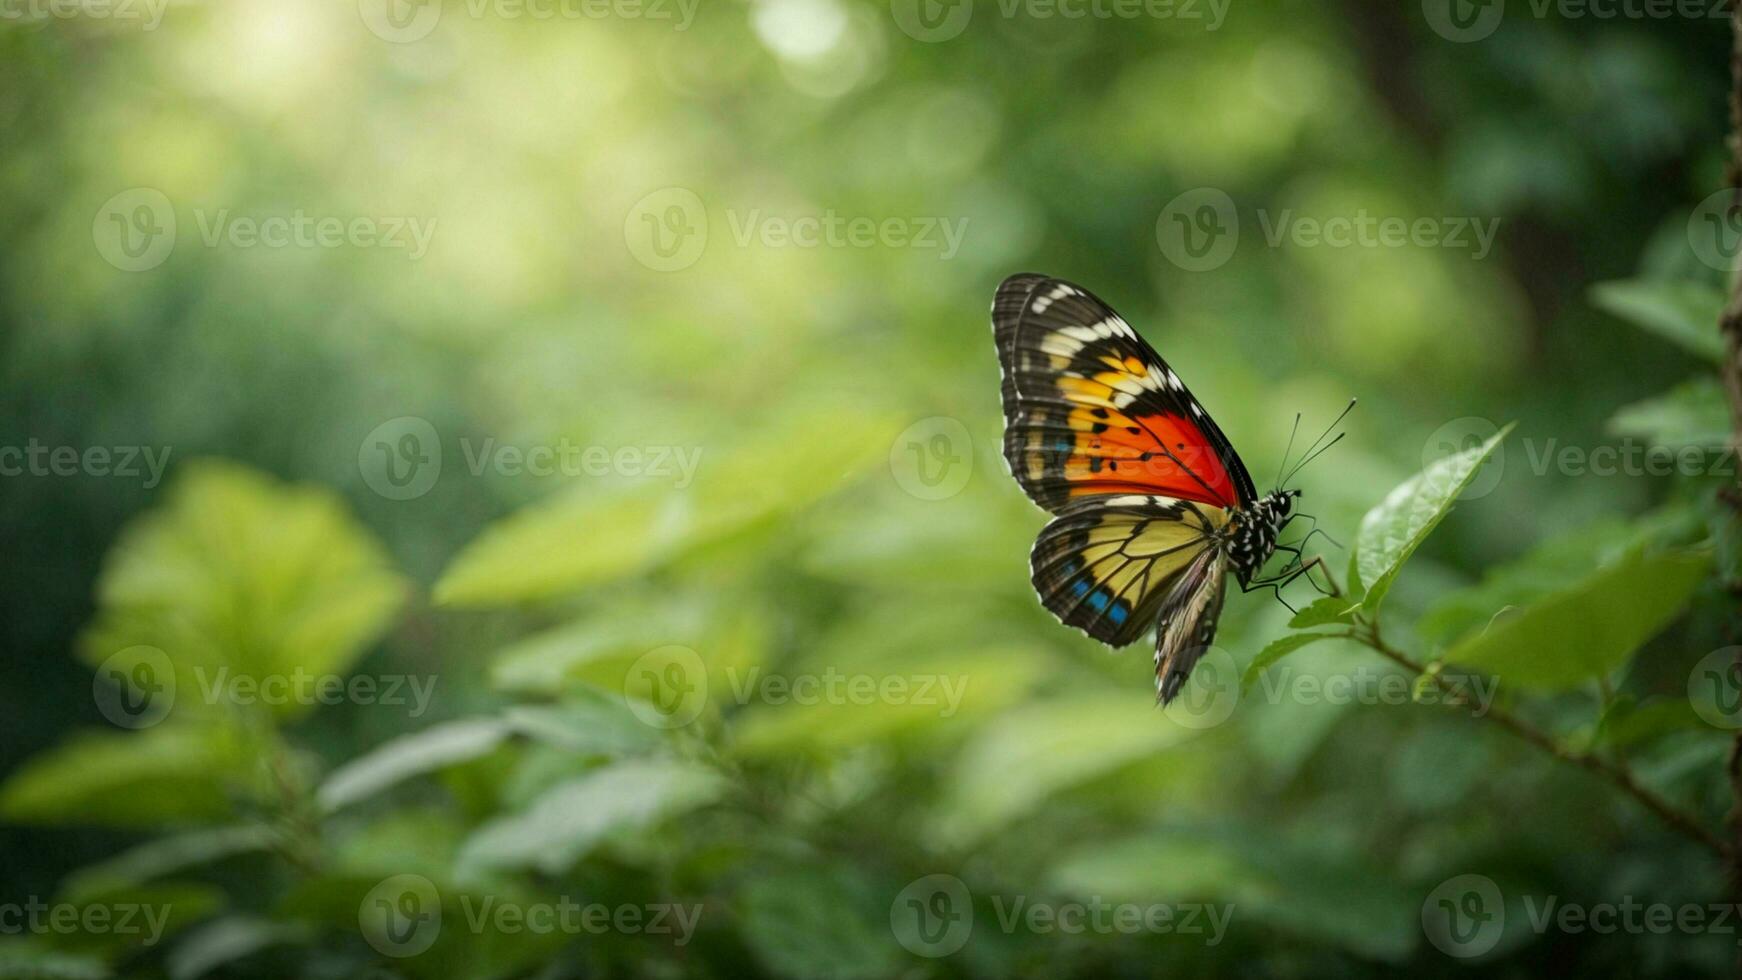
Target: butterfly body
<point>1152,507</point>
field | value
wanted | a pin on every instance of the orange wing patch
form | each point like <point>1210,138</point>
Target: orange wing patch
<point>1114,452</point>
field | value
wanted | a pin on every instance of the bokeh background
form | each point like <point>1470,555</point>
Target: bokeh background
<point>341,269</point>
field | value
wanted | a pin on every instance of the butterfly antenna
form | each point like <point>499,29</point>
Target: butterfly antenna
<point>1291,434</point>
<point>1316,454</point>
<point>1313,450</point>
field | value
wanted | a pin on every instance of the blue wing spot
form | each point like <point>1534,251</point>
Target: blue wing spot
<point>1118,614</point>
<point>1062,446</point>
<point>1079,588</point>
<point>1099,600</point>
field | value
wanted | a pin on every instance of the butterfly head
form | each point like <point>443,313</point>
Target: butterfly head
<point>1278,507</point>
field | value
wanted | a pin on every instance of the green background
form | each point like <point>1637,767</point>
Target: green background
<point>807,382</point>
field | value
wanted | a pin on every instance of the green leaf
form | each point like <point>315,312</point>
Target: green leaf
<point>937,691</point>
<point>1628,723</point>
<point>1013,764</point>
<point>1278,649</point>
<point>1342,900</point>
<point>436,747</point>
<point>1695,414</point>
<point>822,922</point>
<point>225,941</point>
<point>240,576</point>
<point>1684,313</point>
<point>1392,531</point>
<point>569,820</point>
<point>166,856</point>
<point>577,541</point>
<point>588,723</point>
<point>165,775</point>
<point>1589,629</point>
<point>25,959</point>
<point>1328,611</point>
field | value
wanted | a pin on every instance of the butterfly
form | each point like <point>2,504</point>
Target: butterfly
<point>1152,507</point>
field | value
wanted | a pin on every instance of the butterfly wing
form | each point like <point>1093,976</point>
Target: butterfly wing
<point>1090,408</point>
<point>1187,620</point>
<point>1109,565</point>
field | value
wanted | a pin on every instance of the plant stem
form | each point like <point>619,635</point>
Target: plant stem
<point>1616,773</point>
<point>1730,327</point>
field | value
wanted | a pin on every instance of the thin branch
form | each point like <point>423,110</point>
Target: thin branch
<point>1614,772</point>
<point>1730,326</point>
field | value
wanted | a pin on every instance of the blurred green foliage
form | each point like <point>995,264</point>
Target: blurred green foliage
<point>593,675</point>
